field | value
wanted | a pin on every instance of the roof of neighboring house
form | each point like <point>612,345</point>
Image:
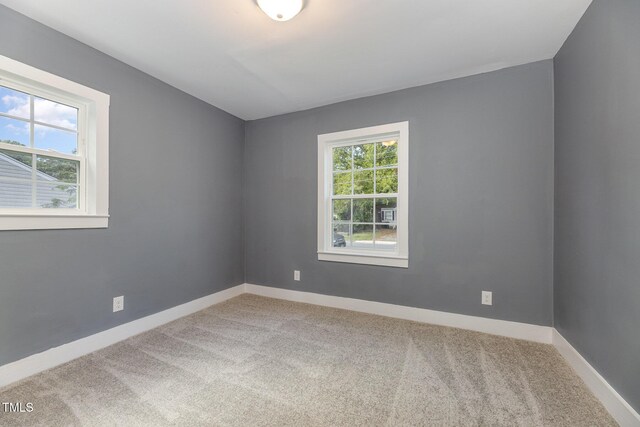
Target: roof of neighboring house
<point>18,194</point>
<point>10,167</point>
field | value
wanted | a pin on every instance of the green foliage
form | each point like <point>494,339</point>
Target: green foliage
<point>363,182</point>
<point>342,158</point>
<point>363,156</point>
<point>387,180</point>
<point>352,159</point>
<point>386,155</point>
<point>362,163</point>
<point>341,183</point>
<point>342,210</point>
<point>363,210</point>
<point>362,232</point>
<point>61,169</point>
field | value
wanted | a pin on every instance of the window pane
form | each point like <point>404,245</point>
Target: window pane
<point>363,156</point>
<point>341,235</point>
<point>56,195</point>
<point>387,180</point>
<point>387,153</point>
<point>342,210</point>
<point>363,210</point>
<point>386,237</point>
<point>47,138</point>
<point>14,103</point>
<point>52,113</point>
<point>341,183</point>
<point>342,158</point>
<point>362,236</point>
<point>363,182</point>
<point>386,210</point>
<point>14,132</point>
<point>59,169</point>
<point>15,194</point>
<point>15,164</point>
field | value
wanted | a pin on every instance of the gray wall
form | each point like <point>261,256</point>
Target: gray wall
<point>175,232</point>
<point>597,213</point>
<point>481,197</point>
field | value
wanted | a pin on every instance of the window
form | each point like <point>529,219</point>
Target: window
<point>53,151</point>
<point>362,196</point>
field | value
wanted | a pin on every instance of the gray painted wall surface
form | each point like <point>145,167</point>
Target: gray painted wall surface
<point>481,197</point>
<point>597,208</point>
<point>159,251</point>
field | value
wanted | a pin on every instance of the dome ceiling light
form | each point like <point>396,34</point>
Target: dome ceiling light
<point>281,10</point>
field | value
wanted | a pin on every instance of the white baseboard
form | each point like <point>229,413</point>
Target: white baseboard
<point>541,334</point>
<point>53,357</point>
<point>623,413</point>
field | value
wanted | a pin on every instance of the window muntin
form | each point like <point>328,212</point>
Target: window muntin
<point>362,199</point>
<point>365,181</point>
<point>41,152</point>
<point>56,173</point>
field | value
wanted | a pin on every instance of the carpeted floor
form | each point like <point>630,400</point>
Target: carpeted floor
<point>258,361</point>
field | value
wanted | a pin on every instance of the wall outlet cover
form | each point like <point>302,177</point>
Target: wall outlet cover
<point>296,275</point>
<point>487,298</point>
<point>118,303</point>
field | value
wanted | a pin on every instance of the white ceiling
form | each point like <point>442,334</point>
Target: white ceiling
<point>231,55</point>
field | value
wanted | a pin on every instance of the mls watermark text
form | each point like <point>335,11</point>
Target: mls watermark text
<point>16,407</point>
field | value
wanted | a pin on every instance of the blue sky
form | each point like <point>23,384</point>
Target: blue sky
<point>17,104</point>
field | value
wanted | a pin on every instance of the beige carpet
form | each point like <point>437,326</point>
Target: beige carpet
<point>256,361</point>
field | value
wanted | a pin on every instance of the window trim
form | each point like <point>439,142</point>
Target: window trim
<point>325,143</point>
<point>93,128</point>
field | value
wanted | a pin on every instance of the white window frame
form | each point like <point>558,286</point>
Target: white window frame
<point>93,148</point>
<point>326,142</point>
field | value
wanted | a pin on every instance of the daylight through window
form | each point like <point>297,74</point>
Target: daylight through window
<point>362,207</point>
<point>54,151</point>
<point>365,195</point>
<point>41,157</point>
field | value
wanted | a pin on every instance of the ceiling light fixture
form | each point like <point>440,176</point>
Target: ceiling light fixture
<point>281,10</point>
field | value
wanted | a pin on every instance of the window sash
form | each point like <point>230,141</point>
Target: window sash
<point>93,147</point>
<point>40,152</point>
<point>364,196</point>
<point>375,195</point>
<point>81,156</point>
<point>351,222</point>
<point>37,122</point>
<point>359,255</point>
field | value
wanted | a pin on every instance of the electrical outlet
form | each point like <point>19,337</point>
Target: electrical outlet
<point>487,298</point>
<point>296,275</point>
<point>118,304</point>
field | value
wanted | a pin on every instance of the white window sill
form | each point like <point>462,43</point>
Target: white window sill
<point>382,260</point>
<point>52,221</point>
